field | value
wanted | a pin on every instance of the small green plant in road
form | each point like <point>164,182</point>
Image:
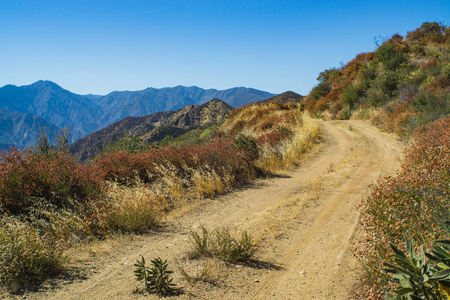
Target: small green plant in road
<point>157,278</point>
<point>417,277</point>
<point>222,244</point>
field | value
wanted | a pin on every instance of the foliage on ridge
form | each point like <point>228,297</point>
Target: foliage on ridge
<point>406,80</point>
<point>404,87</point>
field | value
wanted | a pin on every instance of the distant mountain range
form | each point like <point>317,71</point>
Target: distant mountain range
<point>44,103</point>
<point>154,127</point>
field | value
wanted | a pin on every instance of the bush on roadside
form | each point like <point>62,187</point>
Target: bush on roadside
<point>26,177</point>
<point>415,202</point>
<point>26,255</point>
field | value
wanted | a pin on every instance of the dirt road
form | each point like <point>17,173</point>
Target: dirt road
<point>305,221</point>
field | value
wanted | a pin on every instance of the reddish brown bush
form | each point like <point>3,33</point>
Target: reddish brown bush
<point>273,138</point>
<point>27,178</point>
<point>219,154</point>
<point>416,201</point>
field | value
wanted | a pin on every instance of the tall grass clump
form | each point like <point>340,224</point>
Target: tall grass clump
<point>131,209</point>
<point>26,255</point>
<point>415,202</point>
<point>281,132</point>
<point>223,244</point>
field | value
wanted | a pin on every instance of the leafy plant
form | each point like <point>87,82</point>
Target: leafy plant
<point>418,279</point>
<point>415,201</point>
<point>247,144</point>
<point>157,278</point>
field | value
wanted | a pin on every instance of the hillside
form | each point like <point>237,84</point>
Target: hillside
<point>401,85</point>
<point>154,127</point>
<point>286,97</point>
<point>20,128</point>
<point>89,113</point>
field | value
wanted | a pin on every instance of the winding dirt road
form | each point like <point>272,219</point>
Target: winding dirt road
<point>305,221</point>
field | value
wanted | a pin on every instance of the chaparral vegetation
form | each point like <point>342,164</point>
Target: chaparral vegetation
<point>50,201</point>
<point>402,87</point>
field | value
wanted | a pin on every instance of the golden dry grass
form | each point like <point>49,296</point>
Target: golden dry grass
<point>288,153</point>
<point>132,209</point>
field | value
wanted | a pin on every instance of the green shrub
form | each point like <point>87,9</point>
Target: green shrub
<point>418,277</point>
<point>390,57</point>
<point>247,144</point>
<point>131,144</point>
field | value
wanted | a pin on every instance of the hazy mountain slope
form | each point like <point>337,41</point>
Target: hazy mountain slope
<point>153,127</point>
<point>21,130</point>
<point>54,104</point>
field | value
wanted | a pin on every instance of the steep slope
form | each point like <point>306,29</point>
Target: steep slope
<point>406,80</point>
<point>153,127</point>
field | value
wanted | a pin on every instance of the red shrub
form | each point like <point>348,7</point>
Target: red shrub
<point>415,202</point>
<point>27,178</point>
<point>273,138</point>
<point>219,155</point>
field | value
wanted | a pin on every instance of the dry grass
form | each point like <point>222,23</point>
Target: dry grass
<point>62,225</point>
<point>169,185</point>
<point>207,270</point>
<point>258,118</point>
<point>222,244</point>
<point>207,182</point>
<point>364,113</point>
<point>26,255</point>
<point>288,153</point>
<point>132,209</point>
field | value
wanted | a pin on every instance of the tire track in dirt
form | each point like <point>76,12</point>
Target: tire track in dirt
<point>313,249</point>
<point>327,243</point>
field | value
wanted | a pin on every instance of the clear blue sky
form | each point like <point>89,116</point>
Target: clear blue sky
<point>101,46</point>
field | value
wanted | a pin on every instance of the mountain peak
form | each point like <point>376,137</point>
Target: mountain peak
<point>44,83</point>
<point>288,96</point>
<point>216,102</point>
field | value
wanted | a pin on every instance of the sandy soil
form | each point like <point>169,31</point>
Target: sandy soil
<point>305,221</point>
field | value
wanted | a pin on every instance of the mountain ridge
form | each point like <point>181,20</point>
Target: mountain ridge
<point>85,114</point>
<point>154,127</point>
